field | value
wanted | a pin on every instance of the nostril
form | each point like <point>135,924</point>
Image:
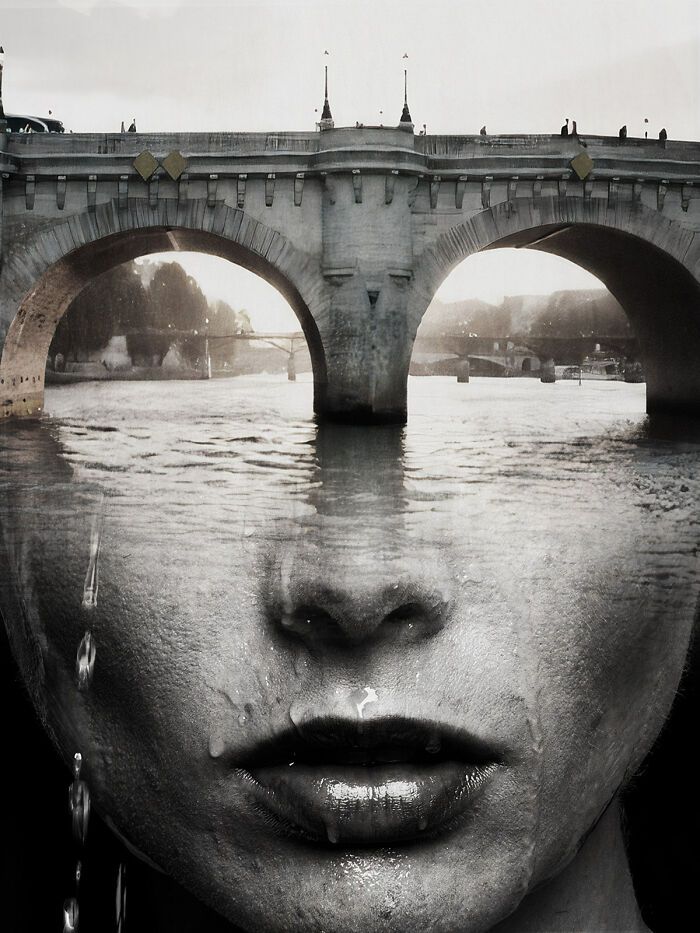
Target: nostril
<point>407,612</point>
<point>307,621</point>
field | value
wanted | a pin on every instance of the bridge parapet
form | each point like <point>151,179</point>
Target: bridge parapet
<point>489,155</point>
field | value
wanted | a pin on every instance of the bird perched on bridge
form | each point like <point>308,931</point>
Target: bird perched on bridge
<point>623,132</point>
<point>663,135</point>
<point>132,128</point>
<point>565,128</point>
<point>482,131</point>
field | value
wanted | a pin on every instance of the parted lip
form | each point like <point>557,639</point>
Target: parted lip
<point>369,782</point>
<point>333,739</point>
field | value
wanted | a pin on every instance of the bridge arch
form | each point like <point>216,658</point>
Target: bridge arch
<point>650,264</point>
<point>47,272</point>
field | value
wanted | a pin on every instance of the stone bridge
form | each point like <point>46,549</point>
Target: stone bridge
<point>357,227</point>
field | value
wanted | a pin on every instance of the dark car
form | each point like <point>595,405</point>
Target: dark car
<point>21,123</point>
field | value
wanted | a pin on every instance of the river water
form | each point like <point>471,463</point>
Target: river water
<point>231,459</point>
<point>561,523</point>
<point>195,483</point>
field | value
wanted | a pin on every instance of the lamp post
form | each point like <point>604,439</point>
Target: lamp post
<point>207,358</point>
<point>2,109</point>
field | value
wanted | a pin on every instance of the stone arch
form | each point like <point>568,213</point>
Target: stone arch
<point>44,272</point>
<point>650,264</point>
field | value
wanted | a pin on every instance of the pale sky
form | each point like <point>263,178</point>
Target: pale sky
<point>516,65</point>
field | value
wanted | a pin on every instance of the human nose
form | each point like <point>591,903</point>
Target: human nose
<point>331,600</point>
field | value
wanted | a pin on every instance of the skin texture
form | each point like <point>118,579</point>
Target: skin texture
<point>560,649</point>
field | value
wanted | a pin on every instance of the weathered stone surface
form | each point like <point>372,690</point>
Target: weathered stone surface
<point>357,227</point>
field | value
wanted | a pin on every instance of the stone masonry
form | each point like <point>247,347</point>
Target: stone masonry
<point>357,227</point>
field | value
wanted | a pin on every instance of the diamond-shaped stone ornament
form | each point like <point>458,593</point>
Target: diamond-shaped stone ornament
<point>145,164</point>
<point>174,164</point>
<point>582,164</point>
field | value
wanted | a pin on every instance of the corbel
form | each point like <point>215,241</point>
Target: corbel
<point>613,188</point>
<point>30,192</point>
<point>269,189</point>
<point>92,193</point>
<point>637,189</point>
<point>661,194</point>
<point>434,190</point>
<point>153,192</point>
<point>298,188</point>
<point>123,192</point>
<point>588,189</point>
<point>212,185</point>
<point>182,186</point>
<point>61,185</point>
<point>512,187</point>
<point>486,191</point>
<point>537,186</point>
<point>240,190</point>
<point>460,187</point>
<point>357,185</point>
<point>562,185</point>
<point>686,193</point>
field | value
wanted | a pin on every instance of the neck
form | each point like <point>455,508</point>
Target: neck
<point>594,892</point>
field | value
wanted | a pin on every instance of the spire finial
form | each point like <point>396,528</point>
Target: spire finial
<point>2,109</point>
<point>326,121</point>
<point>406,121</point>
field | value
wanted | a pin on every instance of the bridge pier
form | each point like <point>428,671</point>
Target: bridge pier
<point>368,350</point>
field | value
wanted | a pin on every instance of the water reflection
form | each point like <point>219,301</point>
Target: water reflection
<point>517,564</point>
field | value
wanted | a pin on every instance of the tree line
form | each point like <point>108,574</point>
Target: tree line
<point>156,306</point>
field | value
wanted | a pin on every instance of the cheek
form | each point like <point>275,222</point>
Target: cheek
<point>611,648</point>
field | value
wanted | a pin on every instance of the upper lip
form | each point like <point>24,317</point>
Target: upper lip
<point>327,740</point>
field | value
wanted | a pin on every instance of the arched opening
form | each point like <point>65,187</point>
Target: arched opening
<point>638,262</point>
<point>177,316</point>
<point>29,338</point>
<point>511,313</point>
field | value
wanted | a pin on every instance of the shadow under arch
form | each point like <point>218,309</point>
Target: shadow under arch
<point>645,261</point>
<point>41,307</point>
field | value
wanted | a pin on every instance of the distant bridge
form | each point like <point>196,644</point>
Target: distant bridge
<point>561,349</point>
<point>357,227</point>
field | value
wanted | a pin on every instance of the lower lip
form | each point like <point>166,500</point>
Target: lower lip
<point>368,805</point>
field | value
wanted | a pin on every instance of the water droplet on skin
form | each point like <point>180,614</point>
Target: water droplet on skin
<point>216,746</point>
<point>92,576</point>
<point>85,661</point>
<point>300,662</point>
<point>70,915</point>
<point>121,898</point>
<point>369,695</point>
<point>241,720</point>
<point>295,715</point>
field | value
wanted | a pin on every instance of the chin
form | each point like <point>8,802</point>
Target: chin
<point>371,892</point>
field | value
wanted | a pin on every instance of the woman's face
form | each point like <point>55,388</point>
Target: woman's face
<point>392,691</point>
